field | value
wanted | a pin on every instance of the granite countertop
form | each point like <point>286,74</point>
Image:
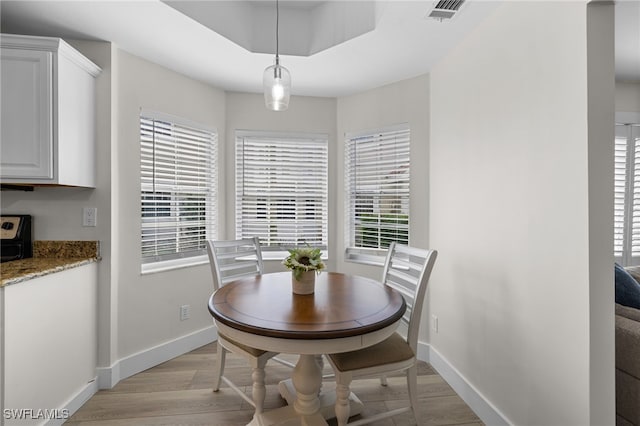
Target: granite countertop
<point>49,257</point>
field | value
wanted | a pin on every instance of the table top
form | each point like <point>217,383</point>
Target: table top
<point>342,306</point>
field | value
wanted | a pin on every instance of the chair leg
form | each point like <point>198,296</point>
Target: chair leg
<point>343,408</point>
<point>259,390</point>
<point>383,380</point>
<point>320,361</point>
<point>412,384</point>
<point>219,369</point>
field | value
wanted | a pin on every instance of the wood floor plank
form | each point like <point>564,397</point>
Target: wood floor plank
<point>222,418</point>
<point>143,404</point>
<point>440,410</point>
<point>178,392</point>
<point>191,361</point>
<point>157,381</point>
<point>370,390</point>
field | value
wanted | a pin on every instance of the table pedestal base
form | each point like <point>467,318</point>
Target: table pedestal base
<point>307,404</point>
<point>327,400</point>
<point>286,416</point>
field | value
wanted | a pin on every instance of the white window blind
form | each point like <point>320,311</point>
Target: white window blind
<point>377,191</point>
<point>627,194</point>
<point>178,187</point>
<point>620,190</point>
<point>281,189</point>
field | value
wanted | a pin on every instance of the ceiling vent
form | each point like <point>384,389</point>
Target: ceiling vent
<point>445,9</point>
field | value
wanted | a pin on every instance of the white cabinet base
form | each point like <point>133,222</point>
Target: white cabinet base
<point>50,343</point>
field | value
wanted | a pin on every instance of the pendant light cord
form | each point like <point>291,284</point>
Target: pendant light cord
<point>277,30</point>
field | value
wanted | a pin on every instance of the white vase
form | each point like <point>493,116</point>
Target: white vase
<point>305,284</point>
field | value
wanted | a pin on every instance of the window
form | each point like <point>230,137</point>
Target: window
<point>281,189</point>
<point>627,194</point>
<point>377,192</point>
<point>178,191</point>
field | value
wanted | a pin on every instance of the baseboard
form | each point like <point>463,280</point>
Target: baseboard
<point>108,377</point>
<point>480,405</point>
<point>74,404</point>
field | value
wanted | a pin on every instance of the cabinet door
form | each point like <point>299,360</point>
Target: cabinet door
<point>26,135</point>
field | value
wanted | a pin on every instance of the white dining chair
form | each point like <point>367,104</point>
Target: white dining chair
<point>231,260</point>
<point>407,270</point>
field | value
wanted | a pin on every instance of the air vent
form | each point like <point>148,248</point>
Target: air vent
<point>445,9</point>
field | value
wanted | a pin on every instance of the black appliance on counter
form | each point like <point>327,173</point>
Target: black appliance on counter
<point>15,234</point>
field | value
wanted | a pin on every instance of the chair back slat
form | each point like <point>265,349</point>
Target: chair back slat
<point>234,259</point>
<point>239,266</point>
<point>227,252</point>
<point>407,293</point>
<point>401,281</point>
<point>407,270</point>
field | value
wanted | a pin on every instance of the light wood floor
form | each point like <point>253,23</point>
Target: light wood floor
<point>178,392</point>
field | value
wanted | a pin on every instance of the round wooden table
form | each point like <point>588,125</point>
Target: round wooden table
<point>345,313</point>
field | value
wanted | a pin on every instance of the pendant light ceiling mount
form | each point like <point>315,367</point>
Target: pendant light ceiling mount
<point>276,79</point>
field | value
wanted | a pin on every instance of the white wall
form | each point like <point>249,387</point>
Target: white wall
<point>148,305</point>
<point>514,215</point>
<point>57,212</point>
<point>406,101</point>
<point>103,54</point>
<point>246,111</point>
<point>628,96</point>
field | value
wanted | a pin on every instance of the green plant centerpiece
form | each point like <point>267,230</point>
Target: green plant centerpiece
<point>303,260</point>
<point>304,263</point>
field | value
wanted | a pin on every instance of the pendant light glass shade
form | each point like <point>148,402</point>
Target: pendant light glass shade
<point>277,87</point>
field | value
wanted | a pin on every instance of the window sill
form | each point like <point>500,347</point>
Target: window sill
<point>169,265</point>
<point>364,259</point>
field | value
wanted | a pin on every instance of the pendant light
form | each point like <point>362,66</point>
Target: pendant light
<point>276,80</point>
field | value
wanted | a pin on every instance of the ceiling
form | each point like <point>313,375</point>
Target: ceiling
<point>332,48</point>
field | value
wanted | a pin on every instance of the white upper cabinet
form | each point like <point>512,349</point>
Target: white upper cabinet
<point>47,114</point>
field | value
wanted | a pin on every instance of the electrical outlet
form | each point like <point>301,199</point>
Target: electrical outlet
<point>89,216</point>
<point>185,312</point>
<point>434,323</point>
